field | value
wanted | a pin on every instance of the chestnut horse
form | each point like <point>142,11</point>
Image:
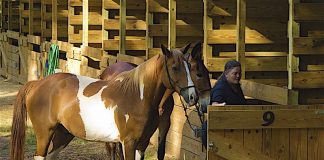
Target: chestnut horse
<point>201,81</point>
<point>63,106</point>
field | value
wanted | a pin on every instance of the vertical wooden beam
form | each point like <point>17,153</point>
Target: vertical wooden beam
<point>172,24</point>
<point>21,21</point>
<point>293,31</point>
<point>70,27</point>
<point>9,15</point>
<point>122,27</point>
<point>85,22</point>
<point>149,21</point>
<point>208,25</point>
<point>105,14</point>
<point>31,17</point>
<point>54,20</point>
<point>43,21</point>
<point>240,37</point>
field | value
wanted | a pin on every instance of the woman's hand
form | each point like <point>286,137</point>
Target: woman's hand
<point>218,104</point>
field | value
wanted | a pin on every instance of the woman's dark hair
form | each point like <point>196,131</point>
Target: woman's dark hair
<point>229,65</point>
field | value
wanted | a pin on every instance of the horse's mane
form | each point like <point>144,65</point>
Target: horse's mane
<point>129,81</point>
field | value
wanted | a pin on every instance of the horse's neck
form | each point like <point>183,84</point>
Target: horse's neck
<point>144,78</point>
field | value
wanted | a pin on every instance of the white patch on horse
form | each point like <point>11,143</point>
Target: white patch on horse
<point>99,120</point>
<point>137,155</point>
<point>190,82</point>
<point>120,79</point>
<point>141,87</point>
<point>38,158</point>
<point>127,117</point>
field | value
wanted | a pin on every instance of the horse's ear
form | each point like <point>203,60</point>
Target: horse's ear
<point>185,49</point>
<point>166,51</point>
<point>196,51</point>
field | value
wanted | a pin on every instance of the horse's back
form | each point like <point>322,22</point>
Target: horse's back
<point>113,70</point>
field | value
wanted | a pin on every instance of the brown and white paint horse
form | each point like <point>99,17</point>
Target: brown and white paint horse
<point>200,77</point>
<point>64,105</point>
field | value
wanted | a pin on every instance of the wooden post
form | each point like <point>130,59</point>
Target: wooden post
<point>9,15</point>
<point>85,22</point>
<point>122,27</point>
<point>31,17</point>
<point>240,37</point>
<point>149,21</point>
<point>105,14</point>
<point>208,25</point>
<point>293,31</point>
<point>43,20</point>
<point>172,24</point>
<point>54,20</point>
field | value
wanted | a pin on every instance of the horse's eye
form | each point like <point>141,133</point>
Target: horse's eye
<point>174,68</point>
<point>199,75</point>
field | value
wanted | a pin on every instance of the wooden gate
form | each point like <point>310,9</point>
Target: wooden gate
<point>266,132</point>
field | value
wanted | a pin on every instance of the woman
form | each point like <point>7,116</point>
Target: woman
<point>227,91</point>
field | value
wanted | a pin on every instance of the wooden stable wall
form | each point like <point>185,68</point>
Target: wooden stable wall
<point>237,132</point>
<point>279,43</point>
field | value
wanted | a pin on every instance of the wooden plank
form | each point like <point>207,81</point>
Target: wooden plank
<point>79,3</point>
<point>113,24</point>
<point>149,21</point>
<point>253,119</point>
<point>316,34</point>
<point>308,45</point>
<point>131,59</point>
<point>298,143</point>
<point>85,22</point>
<point>34,39</point>
<point>208,25</point>
<point>95,36</point>
<point>94,53</point>
<point>54,19</point>
<point>255,54</point>
<point>12,34</point>
<point>265,92</point>
<point>130,45</point>
<point>311,79</point>
<point>172,24</point>
<point>122,26</point>
<point>228,149</point>
<point>293,31</point>
<point>77,20</point>
<point>315,67</point>
<point>31,17</point>
<point>240,37</point>
<point>309,11</point>
<point>182,30</point>
<point>252,64</point>
<point>229,37</point>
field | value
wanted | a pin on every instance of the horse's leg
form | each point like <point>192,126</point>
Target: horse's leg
<point>129,149</point>
<point>119,150</point>
<point>43,137</point>
<point>164,126</point>
<point>61,138</point>
<point>111,149</point>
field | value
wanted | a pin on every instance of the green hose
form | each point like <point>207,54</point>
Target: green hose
<point>53,59</point>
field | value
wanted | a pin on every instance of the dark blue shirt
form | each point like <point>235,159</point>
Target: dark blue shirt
<point>223,92</point>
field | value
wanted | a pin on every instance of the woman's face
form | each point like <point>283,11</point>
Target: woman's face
<point>233,75</point>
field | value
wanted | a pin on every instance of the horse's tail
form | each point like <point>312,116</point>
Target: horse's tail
<point>18,127</point>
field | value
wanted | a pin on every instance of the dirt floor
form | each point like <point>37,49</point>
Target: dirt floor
<point>77,149</point>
